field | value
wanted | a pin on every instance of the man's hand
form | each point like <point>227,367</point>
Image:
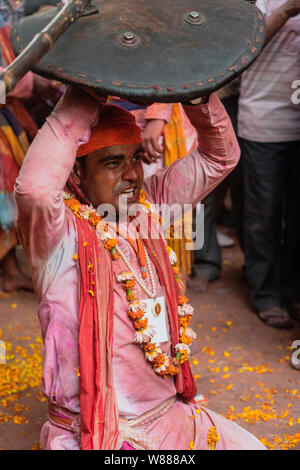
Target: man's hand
<point>95,94</point>
<point>291,8</point>
<point>46,89</point>
<point>280,16</point>
<point>151,137</point>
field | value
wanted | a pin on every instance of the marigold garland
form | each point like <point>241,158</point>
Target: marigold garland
<point>162,364</point>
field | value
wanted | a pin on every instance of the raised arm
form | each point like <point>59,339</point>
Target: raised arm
<point>279,17</point>
<point>189,180</point>
<point>45,170</point>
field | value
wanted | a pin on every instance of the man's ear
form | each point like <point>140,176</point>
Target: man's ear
<point>77,173</point>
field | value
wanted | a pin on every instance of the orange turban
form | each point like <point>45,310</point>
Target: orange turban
<point>116,127</point>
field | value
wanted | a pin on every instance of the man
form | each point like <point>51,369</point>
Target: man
<point>109,386</point>
<point>269,128</point>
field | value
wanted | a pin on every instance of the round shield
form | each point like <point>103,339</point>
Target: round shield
<point>163,51</point>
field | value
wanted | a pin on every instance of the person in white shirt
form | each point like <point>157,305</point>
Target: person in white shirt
<point>269,130</point>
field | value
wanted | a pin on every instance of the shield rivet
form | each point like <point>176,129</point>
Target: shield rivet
<point>128,36</point>
<point>194,15</point>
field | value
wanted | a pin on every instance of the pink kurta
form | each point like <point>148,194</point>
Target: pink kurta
<point>48,233</point>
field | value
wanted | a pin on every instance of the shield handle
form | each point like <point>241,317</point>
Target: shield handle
<point>44,41</point>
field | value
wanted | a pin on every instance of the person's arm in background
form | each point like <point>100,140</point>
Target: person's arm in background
<point>279,17</point>
<point>157,116</point>
<point>190,179</point>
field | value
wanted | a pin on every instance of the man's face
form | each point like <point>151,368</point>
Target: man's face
<point>111,172</point>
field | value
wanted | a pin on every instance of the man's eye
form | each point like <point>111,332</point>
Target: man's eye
<point>137,157</point>
<point>112,164</point>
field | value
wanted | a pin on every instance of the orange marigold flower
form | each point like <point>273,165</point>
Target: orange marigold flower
<point>186,340</point>
<point>140,324</point>
<point>149,347</point>
<point>131,297</point>
<point>129,284</point>
<point>142,196</point>
<point>173,369</point>
<point>135,315</point>
<point>159,361</point>
<point>73,204</point>
<point>175,270</point>
<point>94,218</point>
<point>110,243</point>
<point>185,321</point>
<point>182,300</point>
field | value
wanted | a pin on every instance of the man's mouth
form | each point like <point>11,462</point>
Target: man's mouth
<point>129,193</point>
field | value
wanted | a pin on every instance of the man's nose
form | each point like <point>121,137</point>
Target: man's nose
<point>129,173</point>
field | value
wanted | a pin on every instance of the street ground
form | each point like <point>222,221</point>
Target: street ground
<point>240,364</point>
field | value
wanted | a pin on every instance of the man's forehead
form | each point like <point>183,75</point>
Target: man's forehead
<point>117,150</point>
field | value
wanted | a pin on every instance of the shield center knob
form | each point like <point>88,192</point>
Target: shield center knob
<point>194,17</point>
<point>129,39</point>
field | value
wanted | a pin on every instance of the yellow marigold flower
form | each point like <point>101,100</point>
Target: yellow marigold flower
<point>75,257</point>
<point>185,321</point>
<point>142,194</point>
<point>73,204</point>
<point>183,357</point>
<point>186,340</point>
<point>110,243</point>
<point>94,218</point>
<point>212,438</point>
<point>173,370</point>
<point>208,350</point>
